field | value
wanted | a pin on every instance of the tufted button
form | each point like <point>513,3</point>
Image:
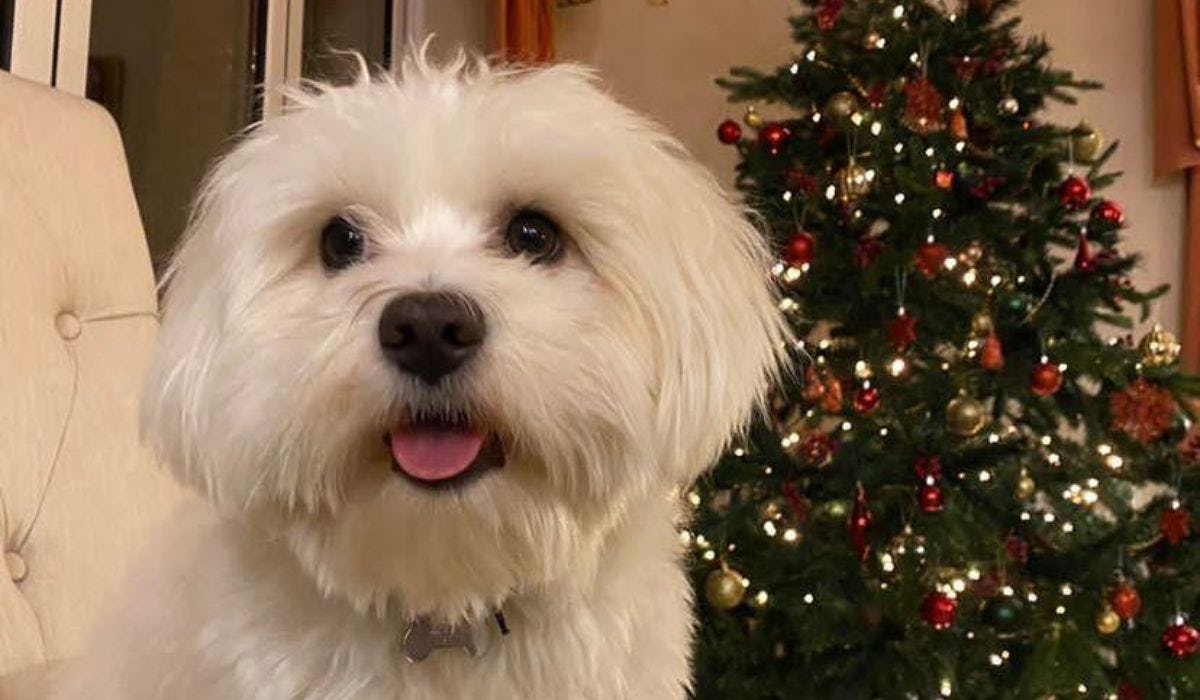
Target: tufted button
<point>68,325</point>
<point>16,566</point>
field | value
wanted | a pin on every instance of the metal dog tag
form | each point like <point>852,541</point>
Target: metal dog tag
<point>423,637</point>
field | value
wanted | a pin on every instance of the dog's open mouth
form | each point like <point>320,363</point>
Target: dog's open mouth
<point>440,451</point>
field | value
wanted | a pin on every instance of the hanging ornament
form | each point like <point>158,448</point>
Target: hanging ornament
<point>1086,143</point>
<point>1046,378</point>
<point>800,249</point>
<point>927,467</point>
<point>728,132</point>
<point>852,183</point>
<point>866,399</point>
<point>1181,640</point>
<point>814,386</point>
<point>1175,524</point>
<point>958,125</point>
<point>939,610</point>
<point>724,588</point>
<point>1084,260</point>
<point>943,180</point>
<point>752,118</point>
<point>991,356</point>
<point>1004,614</point>
<point>773,136</point>
<point>1109,212</point>
<point>860,524</point>
<point>1017,549</point>
<point>902,331</point>
<point>833,399</point>
<point>1026,487</point>
<point>1159,348</point>
<point>982,324</point>
<point>1009,106</point>
<point>966,416</point>
<point>866,251</point>
<point>1107,622</point>
<point>930,498</point>
<point>817,449</point>
<point>799,181</point>
<point>827,14</point>
<point>1074,192</point>
<point>873,40</point>
<point>1143,411</point>
<point>923,107</point>
<point>930,258</point>
<point>840,107</point>
<point>1125,601</point>
<point>1129,691</point>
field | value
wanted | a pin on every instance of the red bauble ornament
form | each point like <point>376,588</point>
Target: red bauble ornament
<point>817,449</point>
<point>860,524</point>
<point>1109,212</point>
<point>902,331</point>
<point>1045,379</point>
<point>1017,548</point>
<point>928,467</point>
<point>866,251</point>
<point>1175,525</point>
<point>831,402</point>
<point>930,499</point>
<point>729,132</point>
<point>866,400</point>
<point>939,610</point>
<point>800,249</point>
<point>1129,691</point>
<point>930,257</point>
<point>1084,260</point>
<point>1181,640</point>
<point>1074,192</point>
<point>1125,600</point>
<point>991,356</point>
<point>799,181</point>
<point>944,180</point>
<point>772,137</point>
<point>827,14</point>
<point>1143,411</point>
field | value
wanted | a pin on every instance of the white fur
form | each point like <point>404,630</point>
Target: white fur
<point>614,377</point>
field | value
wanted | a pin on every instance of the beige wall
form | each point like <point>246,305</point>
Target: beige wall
<point>662,60</point>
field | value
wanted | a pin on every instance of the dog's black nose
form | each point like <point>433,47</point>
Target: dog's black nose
<point>431,334</point>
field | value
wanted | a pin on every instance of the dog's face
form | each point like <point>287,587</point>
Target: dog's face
<point>440,332</point>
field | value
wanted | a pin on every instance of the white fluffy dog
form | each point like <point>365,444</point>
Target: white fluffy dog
<point>439,349</point>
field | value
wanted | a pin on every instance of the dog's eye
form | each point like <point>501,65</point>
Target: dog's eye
<point>342,245</point>
<point>532,234</point>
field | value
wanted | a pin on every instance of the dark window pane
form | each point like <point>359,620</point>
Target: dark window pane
<point>331,26</point>
<point>178,75</point>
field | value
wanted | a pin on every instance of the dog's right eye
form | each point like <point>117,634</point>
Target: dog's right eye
<point>342,245</point>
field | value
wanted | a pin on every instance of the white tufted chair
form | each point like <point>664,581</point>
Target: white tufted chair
<point>78,493</point>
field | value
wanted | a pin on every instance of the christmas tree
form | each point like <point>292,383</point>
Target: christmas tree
<point>977,484</point>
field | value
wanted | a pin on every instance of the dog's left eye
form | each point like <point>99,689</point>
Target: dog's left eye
<point>342,244</point>
<point>532,234</point>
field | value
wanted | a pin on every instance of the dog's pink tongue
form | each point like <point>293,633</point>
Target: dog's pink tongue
<point>434,453</point>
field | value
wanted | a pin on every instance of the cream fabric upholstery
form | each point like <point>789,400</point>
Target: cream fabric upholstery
<point>78,493</point>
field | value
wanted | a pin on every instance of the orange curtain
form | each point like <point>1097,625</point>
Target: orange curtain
<point>525,30</point>
<point>1177,139</point>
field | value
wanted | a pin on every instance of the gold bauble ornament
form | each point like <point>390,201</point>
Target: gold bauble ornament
<point>840,107</point>
<point>852,183</point>
<point>1159,348</point>
<point>1108,621</point>
<point>724,589</point>
<point>966,416</point>
<point>1087,143</point>
<point>1026,487</point>
<point>752,118</point>
<point>982,324</point>
<point>873,40</point>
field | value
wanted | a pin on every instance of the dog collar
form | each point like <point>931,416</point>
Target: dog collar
<point>424,636</point>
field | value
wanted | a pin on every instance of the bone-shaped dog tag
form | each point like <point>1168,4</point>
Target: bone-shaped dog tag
<point>424,637</point>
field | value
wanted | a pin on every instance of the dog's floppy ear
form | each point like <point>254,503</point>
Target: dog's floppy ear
<point>714,313</point>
